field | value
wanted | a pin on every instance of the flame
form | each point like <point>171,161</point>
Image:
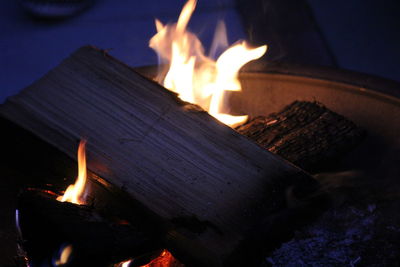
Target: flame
<point>64,256</point>
<point>195,77</point>
<point>126,263</point>
<point>123,264</point>
<point>75,192</point>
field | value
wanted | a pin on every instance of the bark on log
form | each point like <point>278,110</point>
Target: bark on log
<point>211,183</point>
<point>305,133</point>
<point>96,241</point>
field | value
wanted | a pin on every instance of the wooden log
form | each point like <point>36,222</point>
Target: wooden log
<point>211,183</point>
<point>46,224</point>
<point>305,133</point>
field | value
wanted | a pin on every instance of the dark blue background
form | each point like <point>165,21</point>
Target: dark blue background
<point>362,35</point>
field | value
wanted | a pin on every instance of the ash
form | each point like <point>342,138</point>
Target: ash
<point>361,229</point>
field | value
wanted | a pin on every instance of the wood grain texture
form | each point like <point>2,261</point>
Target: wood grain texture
<point>171,156</point>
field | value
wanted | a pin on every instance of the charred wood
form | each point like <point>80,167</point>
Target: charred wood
<point>305,133</point>
<point>46,224</point>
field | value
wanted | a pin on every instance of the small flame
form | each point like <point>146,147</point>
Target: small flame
<point>75,192</point>
<point>126,263</point>
<point>195,77</point>
<point>64,256</point>
<point>123,264</point>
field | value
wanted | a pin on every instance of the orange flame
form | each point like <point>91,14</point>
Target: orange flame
<point>75,192</point>
<point>195,77</point>
<point>64,256</point>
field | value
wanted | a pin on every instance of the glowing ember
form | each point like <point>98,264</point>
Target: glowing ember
<point>164,260</point>
<point>64,256</point>
<point>194,76</point>
<point>75,192</point>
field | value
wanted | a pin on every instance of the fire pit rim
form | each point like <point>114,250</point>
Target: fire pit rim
<point>371,82</point>
<point>363,80</point>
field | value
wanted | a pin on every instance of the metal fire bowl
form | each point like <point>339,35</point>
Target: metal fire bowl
<point>372,103</point>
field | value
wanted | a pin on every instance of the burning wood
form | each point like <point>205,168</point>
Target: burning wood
<point>74,220</point>
<point>207,182</point>
<point>222,199</point>
<point>96,239</point>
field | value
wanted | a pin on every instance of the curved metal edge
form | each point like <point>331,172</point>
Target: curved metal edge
<point>362,80</point>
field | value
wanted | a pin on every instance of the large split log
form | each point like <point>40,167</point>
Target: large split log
<point>209,182</point>
<point>305,133</point>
